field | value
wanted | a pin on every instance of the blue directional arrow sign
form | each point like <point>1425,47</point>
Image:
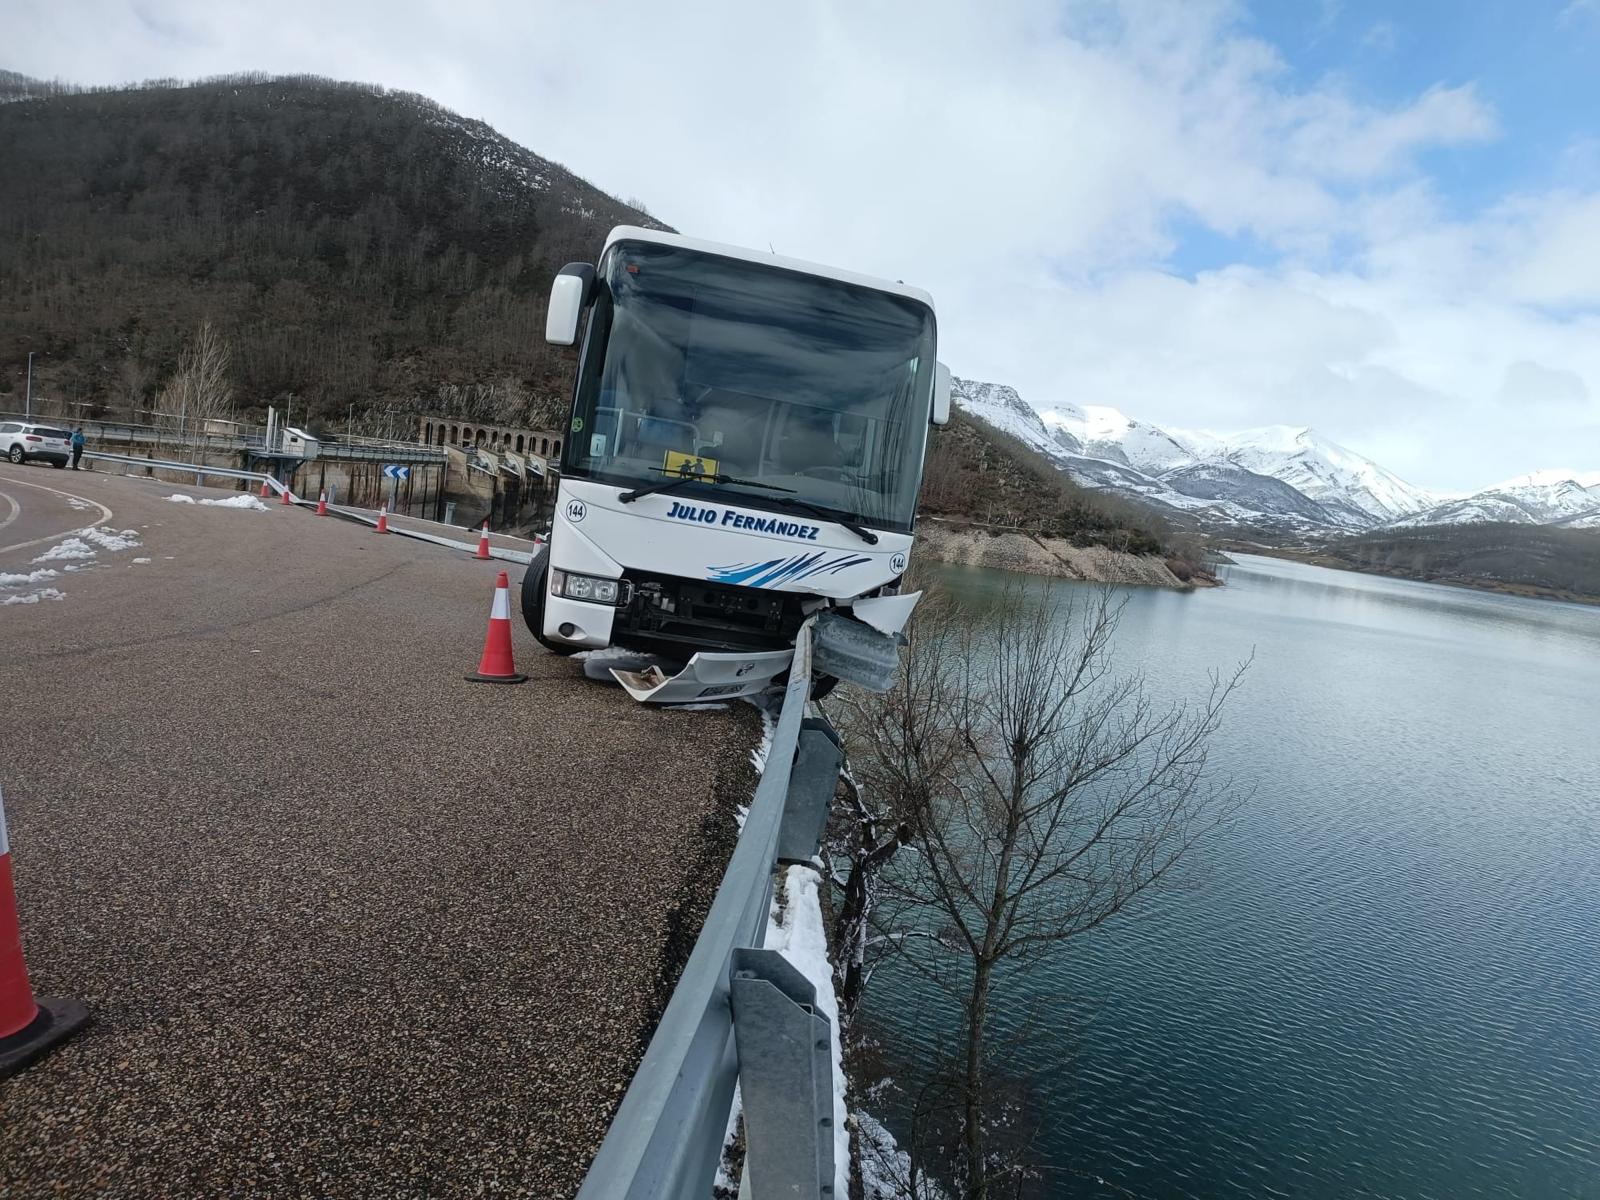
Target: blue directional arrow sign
<point>392,472</point>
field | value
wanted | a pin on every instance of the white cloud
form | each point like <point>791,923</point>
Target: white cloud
<point>1028,163</point>
<point>1381,37</point>
<point>1529,383</point>
<point>1578,12</point>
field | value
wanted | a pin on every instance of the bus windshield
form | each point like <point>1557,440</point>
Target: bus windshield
<point>701,366</point>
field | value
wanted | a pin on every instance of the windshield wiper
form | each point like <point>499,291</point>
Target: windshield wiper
<point>678,480</point>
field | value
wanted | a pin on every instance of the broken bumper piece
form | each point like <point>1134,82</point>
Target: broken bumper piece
<point>707,676</point>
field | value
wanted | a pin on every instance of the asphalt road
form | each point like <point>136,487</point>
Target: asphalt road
<point>348,925</point>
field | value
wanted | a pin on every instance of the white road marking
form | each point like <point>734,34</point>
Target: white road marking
<point>16,511</point>
<point>105,515</point>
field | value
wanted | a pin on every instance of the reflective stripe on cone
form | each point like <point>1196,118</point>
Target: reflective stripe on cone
<point>495,666</point>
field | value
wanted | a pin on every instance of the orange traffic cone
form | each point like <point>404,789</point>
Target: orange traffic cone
<point>28,1026</point>
<point>285,498</point>
<point>322,503</point>
<point>264,492</point>
<point>496,666</point>
<point>383,518</point>
<point>483,542</point>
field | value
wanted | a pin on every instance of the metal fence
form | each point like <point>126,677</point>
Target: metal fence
<point>740,1013</point>
<point>196,443</point>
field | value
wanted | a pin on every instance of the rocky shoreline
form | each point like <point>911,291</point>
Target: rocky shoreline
<point>1000,549</point>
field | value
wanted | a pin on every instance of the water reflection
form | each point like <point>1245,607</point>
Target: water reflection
<point>1387,980</point>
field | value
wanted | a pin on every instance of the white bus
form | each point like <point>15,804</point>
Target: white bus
<point>745,449</point>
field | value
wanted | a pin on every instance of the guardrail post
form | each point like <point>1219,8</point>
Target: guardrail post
<point>811,787</point>
<point>785,1077</point>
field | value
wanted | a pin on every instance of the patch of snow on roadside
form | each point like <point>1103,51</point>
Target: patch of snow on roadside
<point>75,502</point>
<point>72,547</point>
<point>243,500</point>
<point>706,706</point>
<point>127,539</point>
<point>35,597</point>
<point>800,939</point>
<point>141,560</point>
<point>724,1184</point>
<point>31,577</point>
<point>885,1168</point>
<point>769,726</point>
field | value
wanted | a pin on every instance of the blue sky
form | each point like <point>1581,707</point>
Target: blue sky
<point>1536,64</point>
<point>1382,221</point>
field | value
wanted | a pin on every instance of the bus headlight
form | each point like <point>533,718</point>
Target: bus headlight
<point>585,587</point>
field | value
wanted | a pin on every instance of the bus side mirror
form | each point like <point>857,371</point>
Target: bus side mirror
<point>569,296</point>
<point>941,394</point>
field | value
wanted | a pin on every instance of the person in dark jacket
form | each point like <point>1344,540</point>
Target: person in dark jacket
<point>77,446</point>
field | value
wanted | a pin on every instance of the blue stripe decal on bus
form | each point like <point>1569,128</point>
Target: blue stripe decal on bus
<point>778,570</point>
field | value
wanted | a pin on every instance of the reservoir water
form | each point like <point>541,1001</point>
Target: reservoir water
<point>1385,979</point>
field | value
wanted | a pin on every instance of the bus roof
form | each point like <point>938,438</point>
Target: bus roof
<point>633,233</point>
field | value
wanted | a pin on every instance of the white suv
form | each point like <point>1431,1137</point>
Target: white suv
<point>20,441</point>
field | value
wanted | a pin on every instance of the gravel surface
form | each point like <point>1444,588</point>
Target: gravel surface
<point>348,925</point>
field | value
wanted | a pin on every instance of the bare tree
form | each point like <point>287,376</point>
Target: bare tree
<point>900,753</point>
<point>1043,792</point>
<point>133,383</point>
<point>199,391</point>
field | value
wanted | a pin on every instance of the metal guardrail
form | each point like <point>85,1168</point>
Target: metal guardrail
<point>357,449</point>
<point>198,470</point>
<point>738,1014</point>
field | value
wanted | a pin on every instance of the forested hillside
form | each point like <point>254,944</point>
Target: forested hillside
<point>352,245</point>
<point>1527,560</point>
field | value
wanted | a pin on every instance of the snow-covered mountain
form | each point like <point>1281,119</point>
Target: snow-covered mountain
<point>1282,477</point>
<point>1102,432</point>
<point>1324,471</point>
<point>1278,477</point>
<point>1548,497</point>
<point>1002,408</point>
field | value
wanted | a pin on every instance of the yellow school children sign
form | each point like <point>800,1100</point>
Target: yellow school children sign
<point>689,466</point>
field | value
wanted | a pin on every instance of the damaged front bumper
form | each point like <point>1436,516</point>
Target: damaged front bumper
<point>862,648</point>
<point>706,676</point>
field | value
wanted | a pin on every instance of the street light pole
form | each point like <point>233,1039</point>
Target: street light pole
<point>27,409</point>
<point>350,432</point>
